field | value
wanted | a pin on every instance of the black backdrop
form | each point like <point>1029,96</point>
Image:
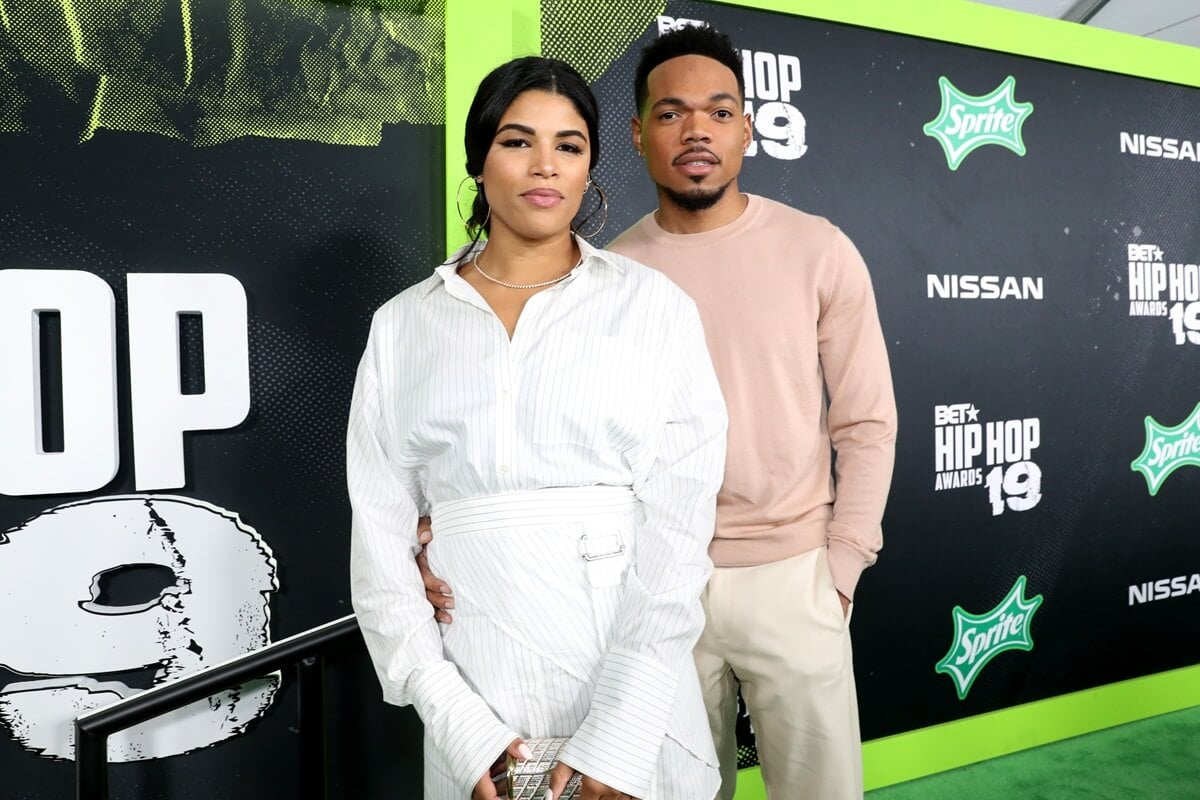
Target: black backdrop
<point>1061,216</point>
<point>320,230</point>
<point>318,185</point>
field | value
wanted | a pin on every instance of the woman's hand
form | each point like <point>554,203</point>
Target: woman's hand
<point>494,783</point>
<point>591,789</point>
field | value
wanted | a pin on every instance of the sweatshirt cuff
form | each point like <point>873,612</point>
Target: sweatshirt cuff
<point>465,731</point>
<point>846,565</point>
<point>619,741</point>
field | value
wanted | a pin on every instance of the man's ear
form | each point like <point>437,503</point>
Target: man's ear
<point>635,130</point>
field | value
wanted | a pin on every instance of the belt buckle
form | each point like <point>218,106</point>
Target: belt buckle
<point>586,551</point>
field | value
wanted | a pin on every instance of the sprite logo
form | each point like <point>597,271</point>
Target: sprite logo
<point>1168,449</point>
<point>966,122</point>
<point>979,639</point>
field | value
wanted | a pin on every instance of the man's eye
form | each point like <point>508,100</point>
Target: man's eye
<point>724,113</point>
<point>668,115</point>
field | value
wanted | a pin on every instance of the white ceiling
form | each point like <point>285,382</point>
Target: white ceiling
<point>1170,20</point>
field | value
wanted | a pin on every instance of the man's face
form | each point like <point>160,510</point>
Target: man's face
<point>692,131</point>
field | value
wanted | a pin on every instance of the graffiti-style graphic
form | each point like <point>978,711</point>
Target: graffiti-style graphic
<point>106,597</point>
<point>206,73</point>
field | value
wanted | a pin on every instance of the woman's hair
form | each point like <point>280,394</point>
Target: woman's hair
<point>493,97</point>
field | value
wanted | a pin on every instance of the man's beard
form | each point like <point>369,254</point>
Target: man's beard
<point>695,199</point>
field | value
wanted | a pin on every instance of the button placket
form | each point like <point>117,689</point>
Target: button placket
<point>506,421</point>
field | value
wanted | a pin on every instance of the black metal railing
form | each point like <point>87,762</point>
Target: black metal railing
<point>306,651</point>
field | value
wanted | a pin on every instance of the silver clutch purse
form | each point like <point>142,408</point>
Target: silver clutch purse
<point>529,780</point>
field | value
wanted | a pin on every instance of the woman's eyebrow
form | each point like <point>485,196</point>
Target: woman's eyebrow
<point>514,126</point>
<point>525,129</point>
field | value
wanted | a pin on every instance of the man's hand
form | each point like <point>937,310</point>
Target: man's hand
<point>437,591</point>
<point>845,601</point>
<point>591,789</point>
<point>494,784</point>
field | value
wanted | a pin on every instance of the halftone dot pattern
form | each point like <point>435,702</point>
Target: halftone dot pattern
<point>319,238</point>
<point>294,378</point>
<point>207,72</point>
<point>591,36</point>
<point>747,749</point>
<point>604,46</point>
<point>206,129</point>
<point>191,353</point>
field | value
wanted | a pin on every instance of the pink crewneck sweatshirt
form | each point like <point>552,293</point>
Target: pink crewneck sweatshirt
<point>789,315</point>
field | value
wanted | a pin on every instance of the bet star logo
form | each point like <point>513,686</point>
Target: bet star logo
<point>1168,449</point>
<point>979,639</point>
<point>966,122</point>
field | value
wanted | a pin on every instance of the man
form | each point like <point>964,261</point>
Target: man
<point>791,324</point>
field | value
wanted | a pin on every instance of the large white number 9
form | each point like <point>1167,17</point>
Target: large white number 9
<point>1021,482</point>
<point>784,129</point>
<point>61,627</point>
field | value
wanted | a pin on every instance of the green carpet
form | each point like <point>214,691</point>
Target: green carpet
<point>1155,758</point>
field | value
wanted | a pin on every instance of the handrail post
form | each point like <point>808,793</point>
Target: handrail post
<point>91,764</point>
<point>305,650</point>
<point>310,680</point>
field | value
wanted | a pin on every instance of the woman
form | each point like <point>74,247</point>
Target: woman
<point>553,407</point>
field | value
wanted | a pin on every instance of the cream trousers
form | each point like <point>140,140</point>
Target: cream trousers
<point>778,631</point>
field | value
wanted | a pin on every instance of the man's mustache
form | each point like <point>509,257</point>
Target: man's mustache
<point>691,151</point>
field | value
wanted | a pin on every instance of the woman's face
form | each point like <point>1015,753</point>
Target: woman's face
<point>535,172</point>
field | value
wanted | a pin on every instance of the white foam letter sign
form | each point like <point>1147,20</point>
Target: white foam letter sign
<point>87,312</point>
<point>161,412</point>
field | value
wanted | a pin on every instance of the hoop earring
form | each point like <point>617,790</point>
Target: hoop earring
<point>603,207</point>
<point>458,202</point>
<point>458,196</point>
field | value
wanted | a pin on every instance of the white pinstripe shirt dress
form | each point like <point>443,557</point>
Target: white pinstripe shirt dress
<point>571,473</point>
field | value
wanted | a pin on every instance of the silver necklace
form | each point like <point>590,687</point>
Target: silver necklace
<point>506,285</point>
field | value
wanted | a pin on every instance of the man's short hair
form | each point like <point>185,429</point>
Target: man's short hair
<point>687,41</point>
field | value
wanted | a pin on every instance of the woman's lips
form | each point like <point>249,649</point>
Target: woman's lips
<point>543,198</point>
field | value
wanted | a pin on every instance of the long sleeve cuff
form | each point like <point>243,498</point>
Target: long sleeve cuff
<point>619,741</point>
<point>846,565</point>
<point>462,726</point>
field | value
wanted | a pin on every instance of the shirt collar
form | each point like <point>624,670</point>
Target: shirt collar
<point>591,257</point>
<point>596,255</point>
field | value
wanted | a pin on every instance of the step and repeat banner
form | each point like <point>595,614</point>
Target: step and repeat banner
<point>1032,233</point>
<point>201,204</point>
